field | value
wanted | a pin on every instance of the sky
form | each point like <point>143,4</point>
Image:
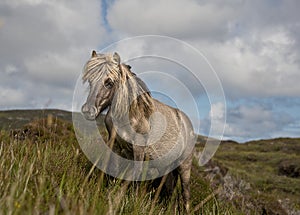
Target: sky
<point>252,45</point>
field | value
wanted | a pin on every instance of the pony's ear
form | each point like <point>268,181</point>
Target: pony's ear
<point>117,57</point>
<point>128,66</point>
<point>94,54</point>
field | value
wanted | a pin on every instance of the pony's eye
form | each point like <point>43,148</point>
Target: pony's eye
<point>108,84</point>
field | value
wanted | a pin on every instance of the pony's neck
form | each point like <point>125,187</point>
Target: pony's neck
<point>132,100</point>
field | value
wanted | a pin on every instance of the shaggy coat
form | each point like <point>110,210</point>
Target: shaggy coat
<point>152,129</point>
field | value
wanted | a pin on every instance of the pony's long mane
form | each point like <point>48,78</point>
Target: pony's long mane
<point>132,96</point>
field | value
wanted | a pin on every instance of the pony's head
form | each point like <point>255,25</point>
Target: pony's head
<point>102,74</point>
<point>113,84</point>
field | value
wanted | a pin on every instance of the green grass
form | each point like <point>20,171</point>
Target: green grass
<point>43,171</point>
<point>271,167</point>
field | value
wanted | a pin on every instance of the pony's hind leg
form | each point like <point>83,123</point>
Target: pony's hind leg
<point>184,170</point>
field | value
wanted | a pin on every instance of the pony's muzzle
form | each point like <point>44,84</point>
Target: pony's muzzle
<point>89,112</point>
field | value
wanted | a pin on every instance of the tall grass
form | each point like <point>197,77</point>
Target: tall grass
<point>43,171</point>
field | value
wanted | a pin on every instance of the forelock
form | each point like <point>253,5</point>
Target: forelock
<point>97,67</point>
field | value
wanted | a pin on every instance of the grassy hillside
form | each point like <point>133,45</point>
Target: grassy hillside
<point>16,119</point>
<point>270,169</point>
<point>43,170</point>
<point>13,119</point>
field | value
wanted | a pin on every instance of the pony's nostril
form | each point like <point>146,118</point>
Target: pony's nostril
<point>89,112</point>
<point>93,110</point>
<point>84,108</point>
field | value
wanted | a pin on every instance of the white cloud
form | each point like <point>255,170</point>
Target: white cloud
<point>253,53</point>
<point>217,111</point>
<point>55,68</point>
<point>216,120</point>
<point>44,45</point>
<point>10,97</point>
<point>10,69</point>
<point>172,17</point>
<point>263,64</point>
<point>246,121</point>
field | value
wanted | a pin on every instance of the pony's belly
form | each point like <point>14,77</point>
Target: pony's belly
<point>171,149</point>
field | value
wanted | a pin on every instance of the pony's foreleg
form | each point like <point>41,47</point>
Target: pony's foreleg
<point>139,155</point>
<point>112,135</point>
